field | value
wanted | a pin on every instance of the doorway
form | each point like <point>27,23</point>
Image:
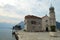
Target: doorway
<point>47,29</point>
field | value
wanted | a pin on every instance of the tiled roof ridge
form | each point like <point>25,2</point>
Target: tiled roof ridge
<point>32,16</point>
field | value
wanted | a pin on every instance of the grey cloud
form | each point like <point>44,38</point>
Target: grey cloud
<point>9,8</point>
<point>36,7</point>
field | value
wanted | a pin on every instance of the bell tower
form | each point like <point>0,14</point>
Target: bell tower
<point>52,16</point>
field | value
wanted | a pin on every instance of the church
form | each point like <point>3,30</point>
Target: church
<point>38,24</point>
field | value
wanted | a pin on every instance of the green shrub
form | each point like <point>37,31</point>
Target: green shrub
<point>24,30</point>
<point>53,28</point>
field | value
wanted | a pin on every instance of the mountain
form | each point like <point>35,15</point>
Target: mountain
<point>58,25</point>
<point>8,25</point>
<point>21,24</point>
<point>5,25</point>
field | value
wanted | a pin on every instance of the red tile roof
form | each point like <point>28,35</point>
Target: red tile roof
<point>31,17</point>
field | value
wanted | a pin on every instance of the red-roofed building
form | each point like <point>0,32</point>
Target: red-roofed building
<point>37,24</point>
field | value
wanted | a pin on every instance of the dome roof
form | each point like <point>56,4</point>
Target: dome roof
<point>51,8</point>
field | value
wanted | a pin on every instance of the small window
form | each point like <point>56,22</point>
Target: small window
<point>46,20</point>
<point>33,22</point>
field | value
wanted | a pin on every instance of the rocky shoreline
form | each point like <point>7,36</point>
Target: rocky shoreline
<point>15,34</point>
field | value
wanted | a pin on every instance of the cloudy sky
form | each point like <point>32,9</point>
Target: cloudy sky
<point>13,11</point>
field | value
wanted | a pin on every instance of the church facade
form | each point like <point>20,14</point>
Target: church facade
<point>37,24</point>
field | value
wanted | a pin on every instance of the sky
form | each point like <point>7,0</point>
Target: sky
<point>14,11</point>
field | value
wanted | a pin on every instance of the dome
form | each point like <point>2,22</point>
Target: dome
<point>51,8</point>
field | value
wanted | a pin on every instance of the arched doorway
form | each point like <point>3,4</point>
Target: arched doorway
<point>47,29</point>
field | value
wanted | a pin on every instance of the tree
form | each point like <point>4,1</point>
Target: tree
<point>53,28</point>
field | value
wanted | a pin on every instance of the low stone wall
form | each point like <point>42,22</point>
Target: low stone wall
<point>35,36</point>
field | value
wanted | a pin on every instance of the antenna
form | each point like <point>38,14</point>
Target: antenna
<point>52,2</point>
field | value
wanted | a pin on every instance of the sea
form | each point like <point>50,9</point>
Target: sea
<point>6,34</point>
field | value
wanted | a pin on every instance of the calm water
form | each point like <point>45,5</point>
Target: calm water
<point>6,34</point>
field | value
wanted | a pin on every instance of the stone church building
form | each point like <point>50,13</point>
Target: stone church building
<point>37,24</point>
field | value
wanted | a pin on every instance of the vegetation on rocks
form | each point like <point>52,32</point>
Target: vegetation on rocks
<point>17,27</point>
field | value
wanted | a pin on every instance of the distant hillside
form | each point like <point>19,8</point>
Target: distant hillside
<point>58,25</point>
<point>8,25</point>
<point>21,24</point>
<point>5,25</point>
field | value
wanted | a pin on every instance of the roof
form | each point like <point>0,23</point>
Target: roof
<point>44,16</point>
<point>32,17</point>
<point>51,8</point>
